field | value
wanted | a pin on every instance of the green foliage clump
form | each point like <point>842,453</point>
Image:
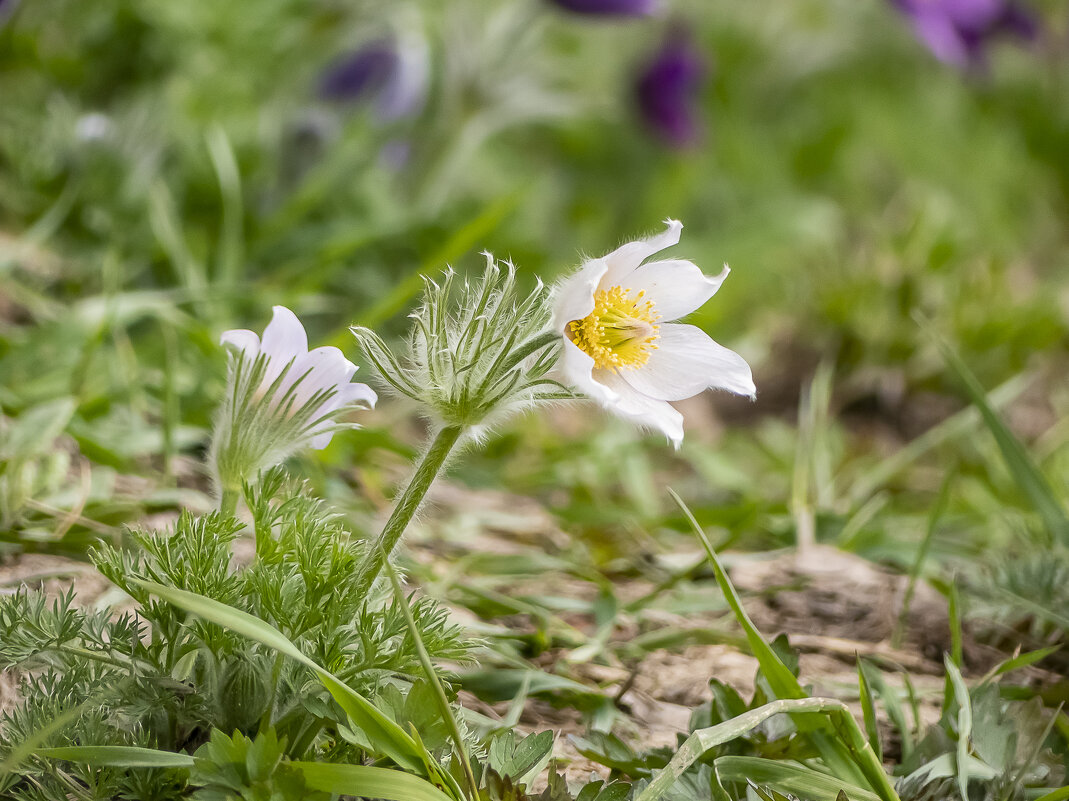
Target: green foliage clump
<point>239,768</point>
<point>162,679</point>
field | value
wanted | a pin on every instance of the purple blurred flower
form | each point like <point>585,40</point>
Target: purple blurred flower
<point>7,8</point>
<point>391,72</point>
<point>957,31</point>
<point>667,90</point>
<point>616,8</point>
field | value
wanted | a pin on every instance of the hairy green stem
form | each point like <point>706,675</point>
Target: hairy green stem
<point>228,502</point>
<point>429,466</point>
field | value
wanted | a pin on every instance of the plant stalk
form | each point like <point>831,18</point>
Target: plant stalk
<point>228,502</point>
<point>428,468</point>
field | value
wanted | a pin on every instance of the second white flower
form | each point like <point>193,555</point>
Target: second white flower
<point>620,345</point>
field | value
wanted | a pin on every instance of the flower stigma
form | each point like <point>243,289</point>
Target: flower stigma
<point>620,332</point>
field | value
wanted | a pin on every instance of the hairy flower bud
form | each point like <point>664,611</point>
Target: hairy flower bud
<point>476,351</point>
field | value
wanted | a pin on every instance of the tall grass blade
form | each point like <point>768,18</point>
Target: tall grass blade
<point>918,563</point>
<point>788,777</point>
<point>444,707</point>
<point>364,781</point>
<point>118,756</point>
<point>868,710</point>
<point>1019,462</point>
<point>704,740</point>
<point>854,761</point>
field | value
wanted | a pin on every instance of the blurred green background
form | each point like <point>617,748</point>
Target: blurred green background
<point>169,170</point>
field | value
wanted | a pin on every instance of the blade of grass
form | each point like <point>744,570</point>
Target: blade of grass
<point>1020,463</point>
<point>166,225</point>
<point>444,708</point>
<point>956,649</point>
<point>364,781</point>
<point>952,427</point>
<point>1018,662</point>
<point>779,676</point>
<point>845,759</point>
<point>231,246</point>
<point>29,746</point>
<point>1061,794</point>
<point>1043,613</point>
<point>704,740</point>
<point>868,710</point>
<point>1033,755</point>
<point>788,777</point>
<point>118,756</point>
<point>918,563</point>
<point>893,706</point>
<point>957,638</point>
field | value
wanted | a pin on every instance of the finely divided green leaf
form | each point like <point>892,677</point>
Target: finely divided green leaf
<point>384,734</point>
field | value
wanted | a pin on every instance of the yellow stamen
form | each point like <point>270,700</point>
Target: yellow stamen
<point>619,333</point>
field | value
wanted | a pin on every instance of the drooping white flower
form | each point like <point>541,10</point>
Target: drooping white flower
<point>303,375</point>
<point>619,345</point>
<point>280,397</point>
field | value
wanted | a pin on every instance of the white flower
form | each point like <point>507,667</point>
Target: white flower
<point>620,347</point>
<point>295,378</point>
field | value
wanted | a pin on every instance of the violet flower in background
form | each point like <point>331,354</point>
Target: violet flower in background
<point>667,90</point>
<point>958,31</point>
<point>7,8</point>
<point>392,72</point>
<point>613,8</point>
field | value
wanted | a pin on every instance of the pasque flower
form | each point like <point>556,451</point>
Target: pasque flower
<point>393,72</point>
<point>616,8</point>
<point>619,345</point>
<point>958,31</point>
<point>280,397</point>
<point>666,90</point>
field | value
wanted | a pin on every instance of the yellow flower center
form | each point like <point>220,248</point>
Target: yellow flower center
<point>620,332</point>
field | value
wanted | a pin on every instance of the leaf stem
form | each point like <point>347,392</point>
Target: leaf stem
<point>407,505</point>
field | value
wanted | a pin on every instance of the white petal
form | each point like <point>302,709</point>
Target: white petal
<point>576,367</point>
<point>284,337</point>
<point>626,258</point>
<point>320,441</point>
<point>675,286</point>
<point>284,341</point>
<point>322,368</point>
<point>686,362</point>
<point>354,393</point>
<point>573,298</point>
<point>243,340</point>
<point>632,405</point>
<point>348,395</point>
